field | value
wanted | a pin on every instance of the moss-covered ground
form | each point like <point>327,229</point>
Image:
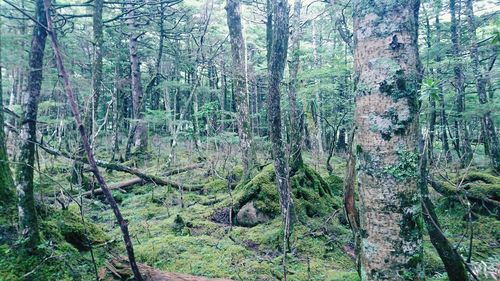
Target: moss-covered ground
<point>179,233</point>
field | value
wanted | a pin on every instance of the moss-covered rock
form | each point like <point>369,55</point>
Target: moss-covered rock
<point>313,196</point>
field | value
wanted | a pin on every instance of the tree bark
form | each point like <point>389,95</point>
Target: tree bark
<point>387,71</point>
<point>239,74</point>
<point>28,222</point>
<point>293,67</point>
<point>86,144</point>
<point>459,84</point>
<point>489,133</point>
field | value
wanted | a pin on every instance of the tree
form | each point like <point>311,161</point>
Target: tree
<point>138,131</point>
<point>7,186</point>
<point>489,133</point>
<point>86,144</point>
<point>239,74</point>
<point>28,222</point>
<point>293,68</point>
<point>462,144</point>
<point>276,66</point>
<point>386,64</point>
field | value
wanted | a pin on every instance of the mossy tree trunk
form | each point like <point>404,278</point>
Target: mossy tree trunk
<point>239,75</point>
<point>489,133</point>
<point>387,72</point>
<point>28,223</point>
<point>6,182</point>
<point>296,161</point>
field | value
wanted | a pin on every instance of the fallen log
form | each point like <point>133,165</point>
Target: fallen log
<point>119,186</point>
<point>119,267</point>
<point>122,168</point>
<point>477,187</point>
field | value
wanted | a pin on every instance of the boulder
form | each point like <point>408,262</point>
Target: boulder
<point>249,216</point>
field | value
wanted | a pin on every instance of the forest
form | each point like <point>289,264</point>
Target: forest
<point>231,140</point>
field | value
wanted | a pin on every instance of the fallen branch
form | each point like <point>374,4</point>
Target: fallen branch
<point>119,186</point>
<point>122,168</point>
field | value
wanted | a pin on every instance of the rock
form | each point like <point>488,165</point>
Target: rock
<point>249,216</point>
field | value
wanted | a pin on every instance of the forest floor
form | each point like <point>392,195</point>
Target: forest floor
<point>185,234</point>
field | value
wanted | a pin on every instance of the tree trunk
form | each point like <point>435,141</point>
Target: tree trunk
<point>317,94</point>
<point>442,106</point>
<point>239,75</point>
<point>28,223</point>
<point>86,144</point>
<point>387,72</point>
<point>459,84</point>
<point>276,66</point>
<point>7,184</point>
<point>138,131</point>
<point>449,256</point>
<point>293,67</point>
<point>489,134</point>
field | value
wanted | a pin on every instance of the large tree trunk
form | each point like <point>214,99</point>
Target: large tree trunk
<point>293,67</point>
<point>28,223</point>
<point>387,72</point>
<point>68,89</point>
<point>239,75</point>
<point>489,133</point>
<point>7,184</point>
<point>138,133</point>
<point>462,141</point>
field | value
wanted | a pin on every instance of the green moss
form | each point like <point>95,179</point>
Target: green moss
<point>405,167</point>
<point>313,196</point>
<point>216,185</point>
<point>66,225</point>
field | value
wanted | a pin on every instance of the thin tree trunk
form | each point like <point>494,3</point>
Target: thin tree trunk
<point>28,222</point>
<point>489,134</point>
<point>387,71</point>
<point>7,184</point>
<point>276,66</point>
<point>90,155</point>
<point>459,84</point>
<point>293,67</point>
<point>239,75</point>
<point>138,130</point>
<point>449,256</point>
<point>317,94</point>
<point>442,106</point>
